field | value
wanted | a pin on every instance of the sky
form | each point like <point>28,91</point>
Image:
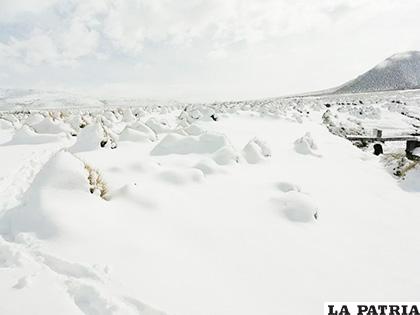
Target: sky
<point>199,50</point>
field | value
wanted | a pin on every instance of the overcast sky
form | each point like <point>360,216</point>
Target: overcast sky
<point>199,49</point>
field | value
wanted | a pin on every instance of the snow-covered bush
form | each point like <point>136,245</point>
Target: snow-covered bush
<point>398,164</point>
<point>256,151</point>
<point>97,184</point>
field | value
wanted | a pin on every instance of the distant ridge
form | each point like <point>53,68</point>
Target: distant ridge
<point>398,72</point>
<point>33,99</point>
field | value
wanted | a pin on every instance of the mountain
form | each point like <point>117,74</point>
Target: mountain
<point>398,72</point>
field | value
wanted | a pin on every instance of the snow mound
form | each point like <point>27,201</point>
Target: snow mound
<point>75,121</point>
<point>141,127</point>
<point>9,256</point>
<point>411,183</point>
<point>88,139</point>
<point>159,125</point>
<point>34,118</point>
<point>5,124</point>
<point>256,151</point>
<point>66,287</point>
<point>416,152</point>
<point>209,166</point>
<point>287,187</point>
<point>127,116</point>
<point>26,135</point>
<point>226,155</point>
<point>14,119</point>
<point>298,207</point>
<point>94,300</point>
<point>111,116</point>
<point>133,135</point>
<point>133,194</point>
<point>181,177</point>
<point>306,145</point>
<point>208,114</point>
<point>193,113</point>
<point>63,172</point>
<point>48,126</point>
<point>178,144</point>
<point>193,130</point>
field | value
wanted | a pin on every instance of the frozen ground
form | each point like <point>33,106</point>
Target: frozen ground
<point>257,207</point>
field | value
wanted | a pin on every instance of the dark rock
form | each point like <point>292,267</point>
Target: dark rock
<point>378,150</point>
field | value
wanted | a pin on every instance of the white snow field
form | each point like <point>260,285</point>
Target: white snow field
<point>258,207</point>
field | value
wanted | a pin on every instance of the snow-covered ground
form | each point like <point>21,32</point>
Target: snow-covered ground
<point>259,207</point>
<point>32,99</point>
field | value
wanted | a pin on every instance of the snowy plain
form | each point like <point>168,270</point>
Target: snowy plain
<point>253,207</point>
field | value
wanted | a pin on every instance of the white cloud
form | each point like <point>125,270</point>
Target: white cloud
<point>128,24</point>
<point>124,27</point>
<point>60,41</point>
<point>11,10</point>
<point>35,50</point>
<point>206,44</point>
<point>78,41</point>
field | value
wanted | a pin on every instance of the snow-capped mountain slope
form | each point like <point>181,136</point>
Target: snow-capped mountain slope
<point>398,72</point>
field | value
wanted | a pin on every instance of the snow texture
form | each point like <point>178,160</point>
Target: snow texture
<point>250,207</point>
